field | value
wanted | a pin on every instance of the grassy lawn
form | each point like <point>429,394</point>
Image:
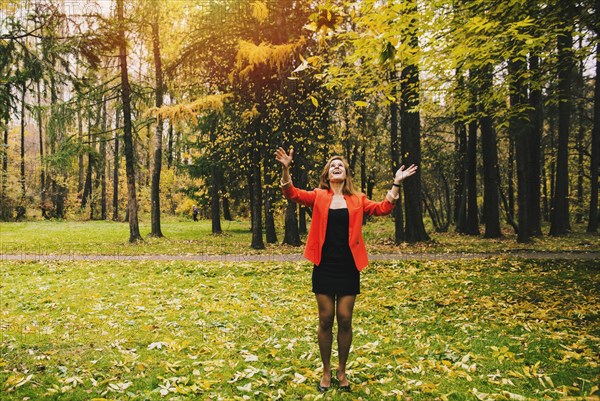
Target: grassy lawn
<point>187,237</point>
<point>463,330</point>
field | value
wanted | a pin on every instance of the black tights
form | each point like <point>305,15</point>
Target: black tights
<point>330,308</point>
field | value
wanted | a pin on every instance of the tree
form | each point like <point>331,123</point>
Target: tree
<point>134,229</point>
<point>158,92</point>
<point>489,152</point>
<point>410,133</point>
<point>595,153</point>
<point>560,224</point>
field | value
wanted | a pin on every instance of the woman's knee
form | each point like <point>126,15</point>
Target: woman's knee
<point>326,322</point>
<point>344,322</point>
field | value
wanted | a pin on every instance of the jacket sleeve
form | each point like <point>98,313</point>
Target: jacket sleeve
<point>378,208</point>
<point>306,198</point>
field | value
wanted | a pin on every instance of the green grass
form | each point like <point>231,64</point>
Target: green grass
<point>422,330</point>
<point>187,237</point>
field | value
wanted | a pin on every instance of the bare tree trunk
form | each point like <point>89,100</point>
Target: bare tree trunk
<point>225,198</point>
<point>257,201</point>
<point>460,195</point>
<point>579,86</point>
<point>472,227</point>
<point>270,232</point>
<point>511,176</point>
<point>302,212</point>
<point>42,163</point>
<point>519,128</point>
<point>102,167</point>
<point>80,157</point>
<point>399,234</point>
<point>22,179</point>
<point>560,224</point>
<point>87,187</point>
<point>489,154</point>
<point>534,173</point>
<point>134,229</point>
<point>170,145</point>
<point>410,133</point>
<point>5,211</point>
<point>159,91</point>
<point>592,226</point>
<point>216,183</point>
<point>115,204</point>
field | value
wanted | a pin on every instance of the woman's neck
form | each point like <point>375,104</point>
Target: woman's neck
<point>337,187</point>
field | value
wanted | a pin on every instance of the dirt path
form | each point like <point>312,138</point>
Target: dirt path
<point>297,257</point>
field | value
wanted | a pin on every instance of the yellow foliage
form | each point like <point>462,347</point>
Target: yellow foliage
<point>250,56</point>
<point>249,115</point>
<point>185,111</point>
<point>260,11</point>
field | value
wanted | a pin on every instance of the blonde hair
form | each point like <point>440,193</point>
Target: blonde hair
<point>348,188</point>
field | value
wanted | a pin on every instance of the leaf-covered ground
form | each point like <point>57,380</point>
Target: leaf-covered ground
<point>184,237</point>
<point>462,330</point>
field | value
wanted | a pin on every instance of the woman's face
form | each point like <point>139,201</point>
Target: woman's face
<point>337,171</point>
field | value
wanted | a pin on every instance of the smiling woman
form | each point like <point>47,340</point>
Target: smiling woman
<point>336,247</point>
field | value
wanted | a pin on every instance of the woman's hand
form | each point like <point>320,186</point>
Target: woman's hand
<point>283,158</point>
<point>403,174</point>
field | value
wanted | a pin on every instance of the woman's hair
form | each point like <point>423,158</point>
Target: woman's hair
<point>348,188</point>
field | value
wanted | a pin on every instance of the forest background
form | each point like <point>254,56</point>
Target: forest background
<point>115,110</point>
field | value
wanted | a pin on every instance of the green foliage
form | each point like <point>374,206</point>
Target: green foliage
<point>487,330</point>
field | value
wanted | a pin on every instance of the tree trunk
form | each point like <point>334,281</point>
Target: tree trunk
<point>87,187</point>
<point>592,226</point>
<point>489,153</point>
<point>536,118</point>
<point>579,146</point>
<point>115,205</point>
<point>102,167</point>
<point>363,176</point>
<point>216,184</point>
<point>215,211</point>
<point>519,128</point>
<point>22,179</point>
<point>59,191</point>
<point>291,233</point>
<point>257,201</point>
<point>134,229</point>
<point>472,227</point>
<point>42,163</point>
<point>399,236</point>
<point>552,149</point>
<point>225,198</point>
<point>158,91</point>
<point>511,176</point>
<point>560,224</point>
<point>410,134</point>
<point>4,209</point>
<point>270,232</point>
<point>460,195</point>
<point>170,145</point>
<point>303,210</point>
<point>80,157</point>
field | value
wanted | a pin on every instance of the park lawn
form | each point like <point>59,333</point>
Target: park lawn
<point>492,329</point>
<point>185,237</point>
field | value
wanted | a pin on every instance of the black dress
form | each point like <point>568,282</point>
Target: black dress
<point>337,273</point>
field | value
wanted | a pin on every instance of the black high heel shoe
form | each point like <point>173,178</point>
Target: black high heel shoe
<point>342,389</point>
<point>322,389</point>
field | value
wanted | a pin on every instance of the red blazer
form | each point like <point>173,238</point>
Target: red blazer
<point>319,200</point>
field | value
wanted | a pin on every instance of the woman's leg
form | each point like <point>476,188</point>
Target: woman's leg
<point>326,304</point>
<point>345,307</point>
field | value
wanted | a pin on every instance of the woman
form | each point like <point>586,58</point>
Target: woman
<point>336,247</point>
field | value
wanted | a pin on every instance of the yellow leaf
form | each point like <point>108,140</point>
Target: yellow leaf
<point>260,11</point>
<point>314,101</point>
